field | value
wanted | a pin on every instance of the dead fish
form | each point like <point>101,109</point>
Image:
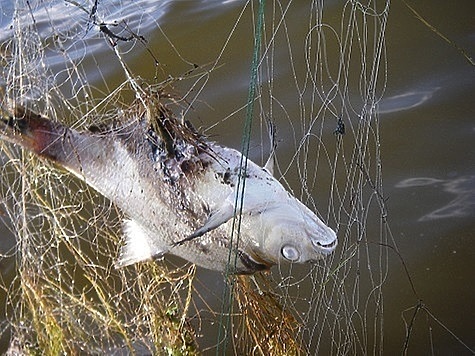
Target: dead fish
<point>178,191</point>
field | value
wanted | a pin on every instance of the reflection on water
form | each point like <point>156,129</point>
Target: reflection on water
<point>71,31</point>
<point>462,190</point>
<point>63,20</point>
<point>405,101</point>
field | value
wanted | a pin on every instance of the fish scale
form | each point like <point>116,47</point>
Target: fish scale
<point>177,191</point>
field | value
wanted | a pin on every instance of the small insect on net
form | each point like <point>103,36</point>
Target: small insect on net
<point>77,62</point>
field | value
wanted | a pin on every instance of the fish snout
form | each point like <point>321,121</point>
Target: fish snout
<point>325,242</point>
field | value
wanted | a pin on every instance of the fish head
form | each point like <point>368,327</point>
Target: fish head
<point>296,236</point>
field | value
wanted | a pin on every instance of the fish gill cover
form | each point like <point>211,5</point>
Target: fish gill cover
<point>95,65</point>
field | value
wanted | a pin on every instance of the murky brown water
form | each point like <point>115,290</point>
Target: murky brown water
<point>427,134</point>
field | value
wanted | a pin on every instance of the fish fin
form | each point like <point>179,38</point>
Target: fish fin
<point>217,218</point>
<point>137,246</point>
<point>269,166</point>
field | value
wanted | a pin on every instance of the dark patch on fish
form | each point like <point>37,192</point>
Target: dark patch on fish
<point>252,266</point>
<point>226,177</point>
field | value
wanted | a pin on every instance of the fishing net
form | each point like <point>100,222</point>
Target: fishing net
<point>318,81</point>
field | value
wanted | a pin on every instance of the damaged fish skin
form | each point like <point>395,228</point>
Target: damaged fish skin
<point>182,189</point>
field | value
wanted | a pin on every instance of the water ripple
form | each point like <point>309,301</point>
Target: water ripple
<point>461,188</point>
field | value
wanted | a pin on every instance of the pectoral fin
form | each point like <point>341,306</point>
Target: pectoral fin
<point>217,218</point>
<point>138,245</point>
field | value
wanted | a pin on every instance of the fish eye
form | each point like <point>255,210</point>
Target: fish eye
<point>290,253</point>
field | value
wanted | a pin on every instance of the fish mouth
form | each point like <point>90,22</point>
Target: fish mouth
<point>330,245</point>
<point>325,248</point>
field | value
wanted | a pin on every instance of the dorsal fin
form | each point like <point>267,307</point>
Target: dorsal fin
<point>269,166</point>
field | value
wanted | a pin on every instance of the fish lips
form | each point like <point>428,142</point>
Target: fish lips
<point>325,243</point>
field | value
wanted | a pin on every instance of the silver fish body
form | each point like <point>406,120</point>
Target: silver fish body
<point>179,193</point>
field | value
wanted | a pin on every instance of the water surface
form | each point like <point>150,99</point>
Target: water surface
<point>427,134</point>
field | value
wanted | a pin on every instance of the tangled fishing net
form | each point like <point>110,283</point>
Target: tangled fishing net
<point>80,62</point>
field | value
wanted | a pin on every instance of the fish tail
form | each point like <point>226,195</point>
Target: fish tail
<point>33,132</point>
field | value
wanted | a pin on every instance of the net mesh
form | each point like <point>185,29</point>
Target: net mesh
<point>78,62</point>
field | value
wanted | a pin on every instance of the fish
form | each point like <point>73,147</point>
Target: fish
<point>179,192</point>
